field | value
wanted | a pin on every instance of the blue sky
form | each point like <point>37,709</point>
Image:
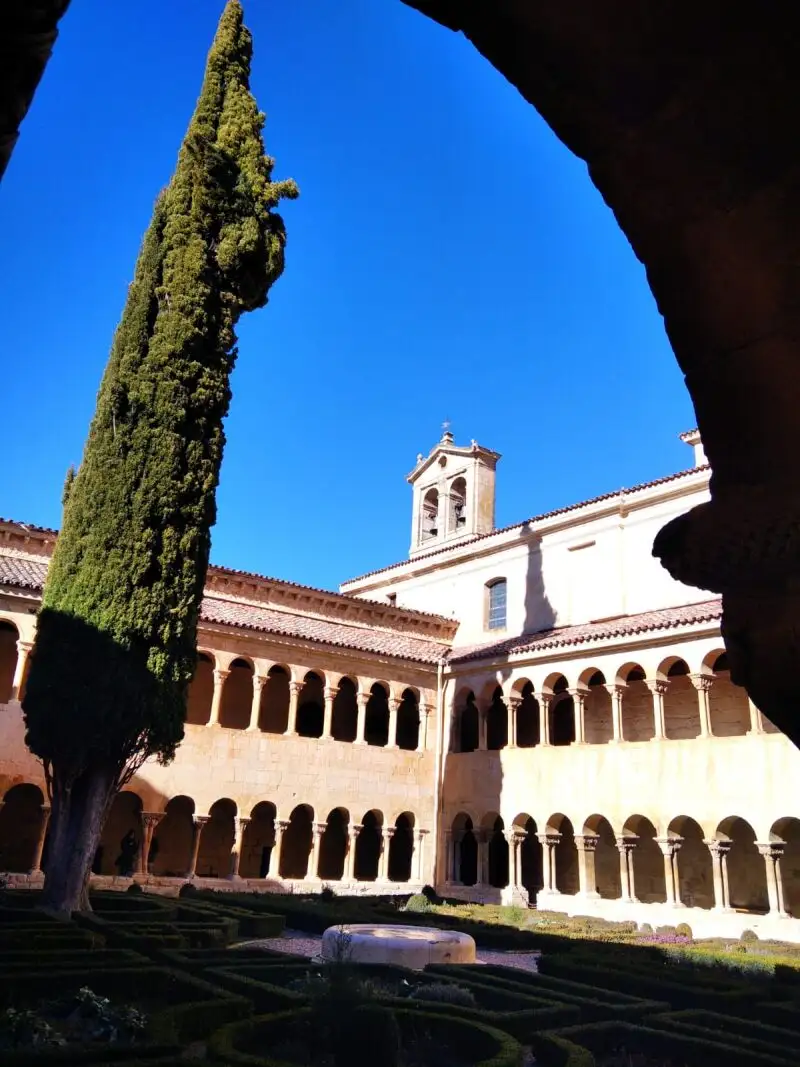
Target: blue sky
<point>447,258</point>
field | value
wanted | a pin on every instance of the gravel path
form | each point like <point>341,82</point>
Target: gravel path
<point>300,944</point>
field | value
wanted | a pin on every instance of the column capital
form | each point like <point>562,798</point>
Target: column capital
<point>626,842</point>
<point>319,828</point>
<point>330,691</point>
<point>544,699</point>
<point>220,675</point>
<point>701,682</point>
<point>388,832</point>
<point>295,687</point>
<point>514,700</point>
<point>394,703</point>
<point>716,847</point>
<point>669,845</point>
<point>356,828</point>
<point>281,825</point>
<point>549,839</point>
<point>657,686</point>
<point>577,694</point>
<point>614,689</point>
<point>243,821</point>
<point>151,818</point>
<point>24,646</point>
<point>420,833</point>
<point>362,699</point>
<point>201,820</point>
<point>425,709</point>
<point>772,849</point>
<point>45,809</point>
<point>259,681</point>
<point>586,842</point>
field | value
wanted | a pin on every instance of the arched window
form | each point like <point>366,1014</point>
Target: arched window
<point>430,514</point>
<point>458,505</point>
<point>496,604</point>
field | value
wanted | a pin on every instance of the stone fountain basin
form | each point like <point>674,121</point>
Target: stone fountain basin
<point>404,946</point>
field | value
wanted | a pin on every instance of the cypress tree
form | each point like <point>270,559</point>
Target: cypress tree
<point>116,635</point>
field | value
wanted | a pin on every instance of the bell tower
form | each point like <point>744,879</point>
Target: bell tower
<point>453,494</point>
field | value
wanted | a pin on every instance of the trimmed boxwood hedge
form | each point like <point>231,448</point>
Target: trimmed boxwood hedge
<point>487,1046</point>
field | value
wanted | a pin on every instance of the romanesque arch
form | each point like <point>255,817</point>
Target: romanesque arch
<point>216,840</point>
<point>401,848</point>
<point>649,879</point>
<point>597,718</point>
<point>9,635</point>
<point>20,826</point>
<point>693,860</point>
<point>408,723</point>
<point>258,841</point>
<point>638,721</point>
<point>333,846</point>
<point>608,882</point>
<point>468,723</point>
<point>496,721</point>
<point>237,696</point>
<point>171,849</point>
<point>786,832</point>
<point>296,843</point>
<point>527,717</point>
<point>311,706</point>
<point>121,839</point>
<point>376,729</point>
<point>565,854</point>
<point>530,853</point>
<point>494,838</point>
<point>369,844</point>
<point>201,691</point>
<point>747,876</point>
<point>273,716</point>
<point>345,711</point>
<point>465,850</point>
<point>729,708</point>
<point>561,712</point>
<point>681,708</point>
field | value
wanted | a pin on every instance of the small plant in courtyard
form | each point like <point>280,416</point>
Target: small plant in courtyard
<point>444,993</point>
<point>80,1018</point>
<point>748,936</point>
<point>188,889</point>
<point>684,930</point>
<point>327,895</point>
<point>417,903</point>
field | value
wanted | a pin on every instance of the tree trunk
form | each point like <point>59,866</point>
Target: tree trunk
<point>78,814</point>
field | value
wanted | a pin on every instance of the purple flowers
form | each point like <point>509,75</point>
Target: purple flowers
<point>664,939</point>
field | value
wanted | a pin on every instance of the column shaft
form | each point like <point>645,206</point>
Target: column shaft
<point>543,700</point>
<point>259,681</point>
<point>316,840</point>
<point>23,652</point>
<point>703,683</point>
<point>394,705</point>
<point>294,699</point>
<point>216,700</point>
<point>327,722</point>
<point>659,689</point>
<point>275,854</point>
<point>617,692</point>
<point>579,705</point>
<point>236,852</point>
<point>198,822</point>
<point>361,728</point>
<point>587,846</point>
<point>36,866</point>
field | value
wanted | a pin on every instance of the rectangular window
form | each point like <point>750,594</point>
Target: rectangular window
<point>497,605</point>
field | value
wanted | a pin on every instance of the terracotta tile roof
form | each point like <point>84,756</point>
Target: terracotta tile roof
<point>536,518</point>
<point>626,626</point>
<point>30,574</point>
<point>324,631</point>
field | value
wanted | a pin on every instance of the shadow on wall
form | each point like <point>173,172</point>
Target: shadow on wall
<point>482,840</point>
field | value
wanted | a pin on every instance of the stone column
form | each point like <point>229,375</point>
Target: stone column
<point>317,830</point>
<point>394,706</point>
<point>719,864</point>
<point>483,857</point>
<point>294,698</point>
<point>198,822</point>
<point>625,847</point>
<point>756,722</point>
<point>772,852</point>
<point>658,688</point>
<point>422,734</point>
<point>544,717</point>
<point>36,866</point>
<point>216,700</point>
<point>670,847</point>
<point>240,825</point>
<point>383,862</point>
<point>23,652</point>
<point>579,704</point>
<point>617,692</point>
<point>259,681</point>
<point>515,838</point>
<point>281,825</point>
<point>548,843</point>
<point>483,740</point>
<point>149,820</point>
<point>514,702</point>
<point>703,683</point>
<point>587,877</point>
<point>361,699</point>
<point>350,860</point>
<point>457,841</point>
<point>327,722</point>
<point>418,863</point>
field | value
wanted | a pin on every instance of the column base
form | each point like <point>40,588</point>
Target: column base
<point>253,730</point>
<point>719,910</point>
<point>290,733</point>
<point>211,725</point>
<point>658,739</point>
<point>357,742</point>
<point>392,748</point>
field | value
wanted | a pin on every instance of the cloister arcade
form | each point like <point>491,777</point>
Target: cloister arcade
<point>179,843</point>
<point>724,867</point>
<point>673,704</point>
<point>288,700</point>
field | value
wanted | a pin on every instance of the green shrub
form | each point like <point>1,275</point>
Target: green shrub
<point>430,894</point>
<point>645,928</point>
<point>683,930</point>
<point>418,903</point>
<point>748,936</point>
<point>445,993</point>
<point>135,890</point>
<point>327,895</point>
<point>188,889</point>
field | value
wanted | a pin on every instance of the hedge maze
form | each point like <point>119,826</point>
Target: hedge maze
<point>209,999</point>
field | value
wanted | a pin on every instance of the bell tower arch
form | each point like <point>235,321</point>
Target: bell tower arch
<point>453,494</point>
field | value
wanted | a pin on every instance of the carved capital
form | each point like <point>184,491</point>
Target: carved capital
<point>295,688</point>
<point>394,704</point>
<point>281,825</point>
<point>615,690</point>
<point>657,686</point>
<point>389,832</point>
<point>330,692</point>
<point>701,682</point>
<point>220,676</point>
<point>772,849</point>
<point>362,699</point>
<point>356,829</point>
<point>151,819</point>
<point>578,695</point>
<point>669,845</point>
<point>259,681</point>
<point>717,848</point>
<point>548,840</point>
<point>200,820</point>
<point>514,701</point>
<point>626,843</point>
<point>587,842</point>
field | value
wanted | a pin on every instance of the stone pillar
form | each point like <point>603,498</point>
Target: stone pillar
<point>327,722</point>
<point>756,722</point>
<point>317,830</point>
<point>23,652</point>
<point>422,734</point>
<point>670,847</point>
<point>773,854</point>
<point>548,843</point>
<point>587,878</point>
<point>617,692</point>
<point>544,717</point>
<point>198,822</point>
<point>658,688</point>
<point>294,698</point>
<point>625,847</point>
<point>394,706</point>
<point>350,860</point>
<point>216,700</point>
<point>275,855</point>
<point>579,704</point>
<point>36,866</point>
<point>362,699</point>
<point>515,838</point>
<point>703,683</point>
<point>418,861</point>
<point>514,702</point>
<point>240,825</point>
<point>383,862</point>
<point>259,681</point>
<point>149,820</point>
<point>483,741</point>
<point>719,864</point>
<point>449,858</point>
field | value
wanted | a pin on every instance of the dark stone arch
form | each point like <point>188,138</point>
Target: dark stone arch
<point>693,860</point>
<point>201,691</point>
<point>237,696</point>
<point>497,722</point>
<point>465,843</point>
<point>376,729</point>
<point>368,847</point>
<point>216,840</point>
<point>747,874</point>
<point>608,880</point>
<point>311,706</point>
<point>345,711</point>
<point>120,841</point>
<point>171,850</point>
<point>497,854</point>
<point>333,846</point>
<point>565,855</point>
<point>258,841</point>
<point>528,718</point>
<point>649,880</point>
<point>20,826</point>
<point>562,720</point>
<point>9,635</point>
<point>273,712</point>
<point>296,843</point>
<point>468,725</point>
<point>531,872</point>
<point>408,721</point>
<point>401,849</point>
